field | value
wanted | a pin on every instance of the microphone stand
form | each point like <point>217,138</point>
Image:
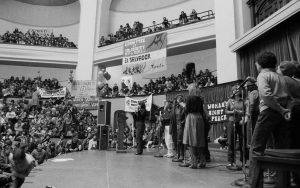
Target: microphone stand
<point>158,154</point>
<point>240,182</point>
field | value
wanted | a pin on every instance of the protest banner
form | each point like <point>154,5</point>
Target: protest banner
<point>216,111</point>
<point>84,88</point>
<point>145,55</point>
<point>56,93</point>
<point>90,103</point>
<point>131,105</point>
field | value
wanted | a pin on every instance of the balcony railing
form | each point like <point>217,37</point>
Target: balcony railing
<point>202,16</point>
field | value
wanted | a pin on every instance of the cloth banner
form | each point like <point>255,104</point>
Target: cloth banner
<point>84,88</point>
<point>131,105</point>
<point>56,93</point>
<point>90,103</point>
<point>41,32</point>
<point>145,55</point>
<point>216,111</point>
<point>127,80</point>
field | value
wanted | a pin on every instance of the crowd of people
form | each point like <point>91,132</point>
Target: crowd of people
<point>162,84</point>
<point>127,32</point>
<point>29,127</point>
<point>35,39</point>
<point>22,87</point>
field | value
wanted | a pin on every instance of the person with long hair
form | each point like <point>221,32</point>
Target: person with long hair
<point>194,130</point>
<point>139,118</point>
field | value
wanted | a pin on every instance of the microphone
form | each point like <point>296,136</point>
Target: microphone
<point>242,85</point>
<point>246,80</point>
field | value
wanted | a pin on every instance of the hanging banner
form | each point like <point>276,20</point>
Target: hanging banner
<point>41,32</point>
<point>131,105</point>
<point>84,88</point>
<point>216,112</point>
<point>90,103</point>
<point>56,93</point>
<point>127,80</point>
<point>145,55</point>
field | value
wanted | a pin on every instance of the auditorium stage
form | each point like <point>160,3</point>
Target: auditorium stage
<point>108,169</point>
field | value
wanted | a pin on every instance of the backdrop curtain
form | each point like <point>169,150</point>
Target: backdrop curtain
<point>213,94</point>
<point>283,41</point>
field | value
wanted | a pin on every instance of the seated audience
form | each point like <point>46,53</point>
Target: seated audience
<point>33,38</point>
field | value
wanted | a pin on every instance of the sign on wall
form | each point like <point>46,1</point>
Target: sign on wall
<point>145,54</point>
<point>216,112</point>
<point>131,105</point>
<point>84,88</point>
<point>89,103</point>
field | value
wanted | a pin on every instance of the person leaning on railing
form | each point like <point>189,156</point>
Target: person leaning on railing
<point>194,16</point>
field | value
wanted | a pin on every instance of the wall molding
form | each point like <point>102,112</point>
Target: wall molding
<point>272,21</point>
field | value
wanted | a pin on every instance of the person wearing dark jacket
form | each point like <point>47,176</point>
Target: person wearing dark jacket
<point>139,118</point>
<point>177,129</point>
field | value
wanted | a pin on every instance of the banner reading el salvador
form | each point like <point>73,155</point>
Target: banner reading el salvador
<point>145,55</point>
<point>131,105</point>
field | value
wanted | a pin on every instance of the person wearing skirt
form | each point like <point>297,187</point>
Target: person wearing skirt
<point>194,130</point>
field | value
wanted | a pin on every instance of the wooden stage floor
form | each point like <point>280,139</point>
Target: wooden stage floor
<point>108,169</point>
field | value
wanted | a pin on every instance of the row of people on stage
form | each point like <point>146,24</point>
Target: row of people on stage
<point>184,125</point>
<point>271,115</point>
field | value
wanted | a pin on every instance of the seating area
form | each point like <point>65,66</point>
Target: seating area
<point>127,32</point>
<point>22,87</point>
<point>33,38</point>
<point>162,84</point>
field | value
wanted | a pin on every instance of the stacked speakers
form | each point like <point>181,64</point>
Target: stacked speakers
<point>104,113</point>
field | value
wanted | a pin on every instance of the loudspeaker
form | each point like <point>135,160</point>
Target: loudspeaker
<point>103,137</point>
<point>104,111</point>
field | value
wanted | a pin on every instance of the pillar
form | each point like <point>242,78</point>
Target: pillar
<point>225,35</point>
<point>87,39</point>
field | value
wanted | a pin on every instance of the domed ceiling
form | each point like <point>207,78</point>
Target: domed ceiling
<point>19,12</point>
<point>48,2</point>
<point>142,5</point>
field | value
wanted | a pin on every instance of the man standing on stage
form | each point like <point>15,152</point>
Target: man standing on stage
<point>273,92</point>
<point>234,112</point>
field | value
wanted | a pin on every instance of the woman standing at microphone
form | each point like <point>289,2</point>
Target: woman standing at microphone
<point>139,118</point>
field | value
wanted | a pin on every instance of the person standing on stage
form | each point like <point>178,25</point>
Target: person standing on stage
<point>252,110</point>
<point>274,98</point>
<point>234,112</point>
<point>166,122</point>
<point>194,130</point>
<point>178,127</point>
<point>139,118</point>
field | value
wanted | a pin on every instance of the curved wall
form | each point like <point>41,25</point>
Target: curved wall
<point>39,16</point>
<point>132,11</point>
<point>140,6</point>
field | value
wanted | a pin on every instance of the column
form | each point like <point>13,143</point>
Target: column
<point>87,39</point>
<point>225,35</point>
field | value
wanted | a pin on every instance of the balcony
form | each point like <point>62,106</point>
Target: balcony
<point>23,55</point>
<point>187,38</point>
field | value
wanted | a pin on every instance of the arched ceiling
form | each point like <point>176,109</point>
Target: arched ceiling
<point>142,5</point>
<point>48,2</point>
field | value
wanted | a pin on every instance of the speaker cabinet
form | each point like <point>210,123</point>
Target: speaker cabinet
<point>103,137</point>
<point>104,112</point>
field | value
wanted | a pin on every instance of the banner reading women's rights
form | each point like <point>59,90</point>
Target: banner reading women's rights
<point>131,105</point>
<point>145,55</point>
